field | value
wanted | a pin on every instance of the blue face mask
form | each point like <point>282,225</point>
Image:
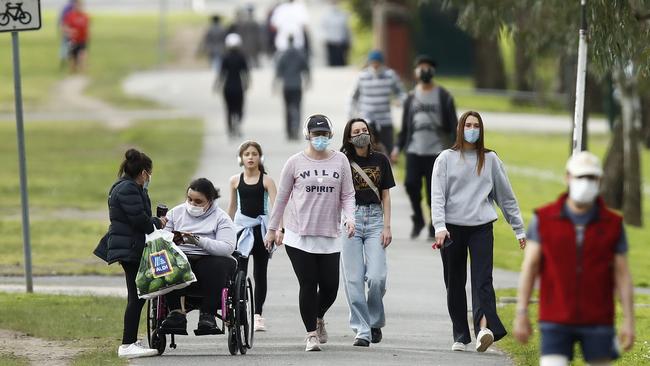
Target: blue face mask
<point>472,135</point>
<point>320,143</point>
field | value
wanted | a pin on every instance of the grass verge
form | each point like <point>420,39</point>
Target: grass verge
<point>529,354</point>
<point>93,323</point>
<point>71,166</point>
<point>9,359</point>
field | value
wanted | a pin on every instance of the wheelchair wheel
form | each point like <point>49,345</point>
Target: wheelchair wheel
<point>232,341</point>
<point>244,312</point>
<point>156,340</point>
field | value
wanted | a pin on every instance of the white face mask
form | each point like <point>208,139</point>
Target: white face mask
<point>583,190</point>
<point>195,211</point>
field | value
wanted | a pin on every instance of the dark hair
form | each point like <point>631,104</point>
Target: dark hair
<point>245,145</point>
<point>204,186</point>
<point>134,163</point>
<point>347,147</point>
<point>480,144</point>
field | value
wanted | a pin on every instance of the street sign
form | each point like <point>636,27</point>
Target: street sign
<point>20,15</point>
<point>17,16</point>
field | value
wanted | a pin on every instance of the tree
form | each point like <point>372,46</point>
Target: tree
<point>619,31</point>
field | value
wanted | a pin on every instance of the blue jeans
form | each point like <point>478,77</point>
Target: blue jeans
<point>363,259</point>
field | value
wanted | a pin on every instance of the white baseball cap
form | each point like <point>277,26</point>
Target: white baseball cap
<point>584,163</point>
<point>233,40</point>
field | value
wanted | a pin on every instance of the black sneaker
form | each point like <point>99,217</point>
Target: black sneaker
<point>376,335</point>
<point>175,322</point>
<point>418,225</point>
<point>207,322</point>
<point>359,342</point>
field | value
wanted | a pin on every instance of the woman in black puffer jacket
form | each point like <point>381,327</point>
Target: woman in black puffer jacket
<point>130,214</point>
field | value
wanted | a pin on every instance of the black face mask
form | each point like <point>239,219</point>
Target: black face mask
<point>426,75</point>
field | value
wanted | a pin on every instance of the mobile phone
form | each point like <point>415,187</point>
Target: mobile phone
<point>447,242</point>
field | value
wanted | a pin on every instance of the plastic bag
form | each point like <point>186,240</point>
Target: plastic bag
<point>163,267</point>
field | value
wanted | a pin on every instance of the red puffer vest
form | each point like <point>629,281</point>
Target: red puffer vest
<point>577,281</point>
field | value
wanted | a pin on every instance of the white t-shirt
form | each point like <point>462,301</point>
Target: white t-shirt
<point>312,244</point>
<point>290,19</point>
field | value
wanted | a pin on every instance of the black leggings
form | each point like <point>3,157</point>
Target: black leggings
<point>212,274</point>
<point>292,100</point>
<point>133,304</point>
<point>235,107</point>
<point>480,242</point>
<point>260,266</point>
<point>318,276</point>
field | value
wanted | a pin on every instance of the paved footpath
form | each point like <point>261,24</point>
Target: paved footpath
<point>418,330</point>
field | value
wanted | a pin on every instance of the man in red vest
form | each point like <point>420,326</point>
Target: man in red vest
<point>75,24</point>
<point>577,246</point>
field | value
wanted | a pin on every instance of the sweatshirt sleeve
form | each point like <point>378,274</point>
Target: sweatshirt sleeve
<point>402,135</point>
<point>347,191</point>
<point>356,93</point>
<point>282,198</point>
<point>224,242</point>
<point>505,197</point>
<point>439,192</point>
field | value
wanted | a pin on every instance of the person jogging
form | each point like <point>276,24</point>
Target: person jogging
<point>252,194</point>
<point>316,191</point>
<point>363,257</point>
<point>578,248</point>
<point>467,180</point>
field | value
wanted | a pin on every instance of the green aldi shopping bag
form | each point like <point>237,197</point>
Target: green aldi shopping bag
<point>163,267</point>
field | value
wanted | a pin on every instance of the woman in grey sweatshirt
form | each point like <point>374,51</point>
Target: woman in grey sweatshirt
<point>205,233</point>
<point>466,182</point>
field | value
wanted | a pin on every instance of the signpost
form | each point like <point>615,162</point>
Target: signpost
<point>578,118</point>
<point>16,16</point>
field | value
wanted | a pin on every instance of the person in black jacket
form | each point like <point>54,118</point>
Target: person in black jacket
<point>130,214</point>
<point>428,127</point>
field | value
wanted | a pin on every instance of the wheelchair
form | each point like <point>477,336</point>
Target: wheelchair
<point>236,313</point>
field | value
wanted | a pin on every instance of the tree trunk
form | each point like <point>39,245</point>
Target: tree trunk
<point>645,121</point>
<point>612,184</point>
<point>523,67</point>
<point>489,72</point>
<point>630,115</point>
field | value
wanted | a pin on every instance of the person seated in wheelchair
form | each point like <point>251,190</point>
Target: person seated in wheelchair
<point>206,234</point>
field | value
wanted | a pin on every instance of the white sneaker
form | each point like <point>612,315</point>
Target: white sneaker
<point>458,346</point>
<point>312,342</point>
<point>321,331</point>
<point>134,350</point>
<point>259,323</point>
<point>484,339</point>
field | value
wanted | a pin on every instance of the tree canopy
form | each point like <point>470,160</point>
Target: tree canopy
<point>619,30</point>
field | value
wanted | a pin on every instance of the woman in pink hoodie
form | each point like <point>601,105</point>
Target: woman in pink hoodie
<point>315,189</point>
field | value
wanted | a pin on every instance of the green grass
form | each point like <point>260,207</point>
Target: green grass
<point>119,45</point>
<point>59,246</point>
<point>9,359</point>
<point>549,152</point>
<point>71,166</point>
<point>529,354</point>
<point>93,323</point>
